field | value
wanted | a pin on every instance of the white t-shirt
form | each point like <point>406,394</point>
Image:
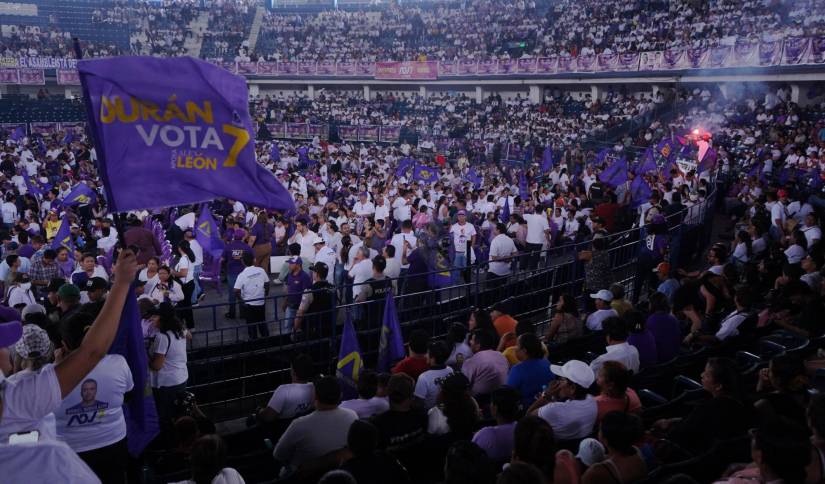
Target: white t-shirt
<point>9,211</point>
<point>251,281</point>
<point>366,408</point>
<point>328,257</point>
<point>49,460</point>
<point>27,400</point>
<point>536,226</point>
<point>573,419</point>
<point>461,235</point>
<point>185,263</point>
<point>461,351</point>
<point>174,371</point>
<point>99,422</point>
<point>595,319</point>
<point>360,272</point>
<point>501,246</point>
<point>429,384</point>
<point>197,250</point>
<point>19,296</point>
<point>795,254</point>
<point>730,325</point>
<point>292,399</point>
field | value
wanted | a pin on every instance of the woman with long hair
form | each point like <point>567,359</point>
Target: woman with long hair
<point>260,238</point>
<point>615,393</point>
<point>185,271</point>
<point>742,248</point>
<point>565,324</point>
<point>167,360</point>
<point>456,412</point>
<point>165,289</point>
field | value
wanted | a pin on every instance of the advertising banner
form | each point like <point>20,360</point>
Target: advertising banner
<point>400,71</point>
<point>68,77</point>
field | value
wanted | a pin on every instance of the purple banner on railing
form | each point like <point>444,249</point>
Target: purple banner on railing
<point>586,63</point>
<point>247,68</point>
<point>44,128</point>
<point>287,68</point>
<point>487,67</point>
<point>672,59</point>
<point>401,71</point>
<point>718,57</point>
<point>9,76</point>
<point>697,57</point>
<point>447,68</point>
<point>276,130</point>
<point>345,69</point>
<point>770,52</point>
<point>527,66</point>
<point>296,130</point>
<point>566,64</point>
<point>795,49</point>
<point>32,76</point>
<point>368,133</point>
<point>67,77</point>
<point>506,67</point>
<point>319,130</point>
<point>546,65</point>
<point>326,68</point>
<point>605,62</point>
<point>390,134</point>
<point>269,68</point>
<point>306,68</point>
<point>348,133</point>
<point>817,50</point>
<point>76,127</point>
<point>627,61</point>
<point>467,67</point>
<point>365,68</point>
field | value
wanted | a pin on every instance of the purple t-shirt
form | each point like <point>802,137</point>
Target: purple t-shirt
<point>645,343</point>
<point>296,285</point>
<point>233,254</point>
<point>262,233</point>
<point>667,333</point>
<point>26,251</point>
<point>497,441</point>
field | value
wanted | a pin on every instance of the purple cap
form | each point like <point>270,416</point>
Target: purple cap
<point>8,314</point>
<point>461,212</point>
<point>10,333</point>
<point>296,260</point>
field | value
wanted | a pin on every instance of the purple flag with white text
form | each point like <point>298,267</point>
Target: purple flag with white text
<point>174,131</point>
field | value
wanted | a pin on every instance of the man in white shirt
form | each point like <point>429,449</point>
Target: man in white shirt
<point>428,385</point>
<point>361,270</point>
<point>566,405</point>
<point>9,210</point>
<point>292,399</point>
<point>315,435</point>
<point>728,328</point>
<point>538,231</point>
<point>502,250</point>
<point>382,211</point>
<point>616,334</point>
<point>602,312</point>
<point>305,238</point>
<point>811,229</point>
<point>462,233</point>
<point>401,208</point>
<point>398,240</point>
<point>393,269</point>
<point>251,287</point>
<point>326,255</point>
<point>363,207</point>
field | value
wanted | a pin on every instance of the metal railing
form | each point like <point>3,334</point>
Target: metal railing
<point>232,374</point>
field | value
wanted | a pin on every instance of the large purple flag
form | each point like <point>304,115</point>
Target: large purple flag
<point>639,191</point>
<point>174,131</point>
<point>403,166</point>
<point>391,343</point>
<point>474,178</point>
<point>708,161</point>
<point>208,235</point>
<point>648,164</point>
<point>425,174</point>
<point>615,174</point>
<point>141,415</point>
<point>666,148</point>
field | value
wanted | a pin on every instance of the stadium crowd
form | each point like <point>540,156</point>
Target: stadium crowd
<point>453,409</point>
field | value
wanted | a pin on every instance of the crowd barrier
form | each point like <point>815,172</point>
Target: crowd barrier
<point>232,375</point>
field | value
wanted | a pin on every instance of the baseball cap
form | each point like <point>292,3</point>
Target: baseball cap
<point>321,268</point>
<point>318,240</point>
<point>604,295</point>
<point>461,212</point>
<point>10,333</point>
<point>591,451</point>
<point>576,371</point>
<point>295,260</point>
<point>96,283</point>
<point>34,343</point>
<point>663,268</point>
<point>33,309</point>
<point>68,290</point>
<point>8,314</point>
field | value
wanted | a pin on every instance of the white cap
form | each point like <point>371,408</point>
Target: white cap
<point>318,240</point>
<point>604,295</point>
<point>32,309</point>
<point>576,371</point>
<point>591,451</point>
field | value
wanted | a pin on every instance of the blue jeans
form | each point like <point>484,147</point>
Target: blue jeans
<point>459,262</point>
<point>289,320</point>
<point>230,282</point>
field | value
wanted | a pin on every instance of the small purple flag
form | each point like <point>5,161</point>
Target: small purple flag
<point>403,166</point>
<point>474,178</point>
<point>505,211</point>
<point>425,174</point>
<point>350,362</point>
<point>391,343</point>
<point>208,235</point>
<point>547,159</point>
<point>615,174</point>
<point>174,131</point>
<point>648,164</point>
<point>67,139</point>
<point>639,191</point>
<point>666,148</point>
<point>19,133</point>
<point>33,188</point>
<point>63,237</point>
<point>708,161</point>
<point>81,194</point>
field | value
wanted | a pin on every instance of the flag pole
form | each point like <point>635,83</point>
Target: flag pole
<point>119,220</point>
